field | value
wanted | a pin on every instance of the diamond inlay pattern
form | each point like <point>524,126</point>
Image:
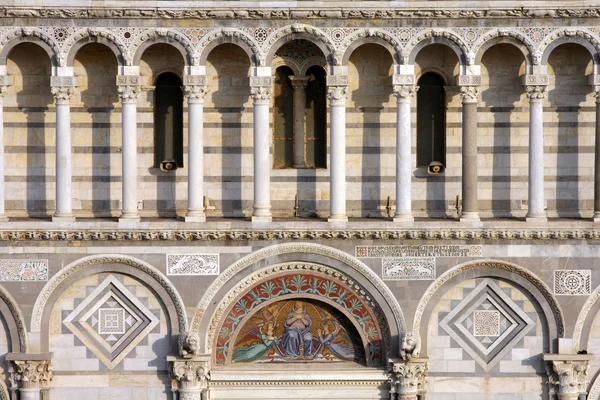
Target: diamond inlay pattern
<point>111,321</point>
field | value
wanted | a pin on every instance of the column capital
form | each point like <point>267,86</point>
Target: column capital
<point>537,92</point>
<point>404,86</point>
<point>5,82</point>
<point>469,94</point>
<point>129,87</point>
<point>337,89</point>
<point>536,86</point>
<point>408,377</point>
<point>195,87</point>
<point>190,375</point>
<point>568,372</point>
<point>30,371</point>
<point>261,89</point>
<point>299,82</point>
<point>62,88</point>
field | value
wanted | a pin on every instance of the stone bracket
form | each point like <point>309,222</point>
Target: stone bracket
<point>403,79</point>
<point>469,80</point>
<point>536,80</point>
<point>195,80</point>
<point>63,81</point>
<point>337,80</point>
<point>261,81</point>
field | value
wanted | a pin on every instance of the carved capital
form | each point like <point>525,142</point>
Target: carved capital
<point>261,94</point>
<point>299,82</point>
<point>337,95</point>
<point>190,375</point>
<point>195,93</point>
<point>408,378</point>
<point>62,94</point>
<point>31,374</point>
<point>568,372</point>
<point>129,87</point>
<point>536,92</point>
<point>5,82</point>
<point>469,94</point>
<point>405,92</point>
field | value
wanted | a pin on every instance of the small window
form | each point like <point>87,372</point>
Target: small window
<point>431,120</point>
<point>316,118</point>
<point>168,122</point>
<point>283,119</point>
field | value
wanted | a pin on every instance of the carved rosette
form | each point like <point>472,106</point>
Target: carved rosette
<point>129,87</point>
<point>31,374</point>
<point>408,378</point>
<point>569,376</point>
<point>190,376</point>
<point>469,94</point>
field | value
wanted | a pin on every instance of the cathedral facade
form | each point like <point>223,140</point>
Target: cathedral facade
<point>293,200</point>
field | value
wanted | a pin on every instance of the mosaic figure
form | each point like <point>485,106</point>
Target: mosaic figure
<point>297,339</point>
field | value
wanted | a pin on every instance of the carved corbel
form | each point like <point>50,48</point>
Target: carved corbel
<point>190,376</point>
<point>408,378</point>
<point>568,372</point>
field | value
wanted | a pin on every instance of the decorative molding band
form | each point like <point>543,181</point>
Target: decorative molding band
<point>305,382</point>
<point>281,234</point>
<point>283,13</point>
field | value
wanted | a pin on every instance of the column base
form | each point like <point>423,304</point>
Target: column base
<point>262,213</point>
<point>337,218</point>
<point>3,218</point>
<point>407,396</point>
<point>300,166</point>
<point>596,217</point>
<point>568,396</point>
<point>195,216</point>
<point>536,218</point>
<point>261,219</point>
<point>470,216</point>
<point>129,218</point>
<point>403,218</point>
<point>62,218</point>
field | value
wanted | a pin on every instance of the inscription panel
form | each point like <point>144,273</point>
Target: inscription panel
<point>408,268</point>
<point>23,270</point>
<point>418,251</point>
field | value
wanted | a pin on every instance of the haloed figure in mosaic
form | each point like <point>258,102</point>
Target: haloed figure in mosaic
<point>328,336</point>
<point>251,353</point>
<point>297,339</point>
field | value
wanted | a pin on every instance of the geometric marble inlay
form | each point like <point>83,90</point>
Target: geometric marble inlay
<point>111,321</point>
<point>573,282</point>
<point>487,324</point>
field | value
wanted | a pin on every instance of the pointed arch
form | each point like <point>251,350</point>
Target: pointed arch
<point>17,36</point>
<point>86,36</point>
<point>498,269</point>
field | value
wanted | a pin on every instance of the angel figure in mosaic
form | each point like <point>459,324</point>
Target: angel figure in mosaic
<point>328,335</point>
<point>257,350</point>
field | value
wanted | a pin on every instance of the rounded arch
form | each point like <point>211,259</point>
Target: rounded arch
<point>86,36</point>
<point>286,62</point>
<point>29,35</point>
<point>440,37</point>
<point>322,254</point>
<point>312,62</point>
<point>233,36</point>
<point>565,36</point>
<point>498,37</point>
<point>436,70</point>
<point>498,269</point>
<point>9,308</point>
<point>300,31</point>
<point>298,280</point>
<point>172,38</point>
<point>117,263</point>
<point>374,36</point>
<point>583,325</point>
<point>594,389</point>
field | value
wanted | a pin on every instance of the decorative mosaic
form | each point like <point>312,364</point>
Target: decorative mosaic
<point>573,282</point>
<point>418,251</point>
<point>314,285</point>
<point>487,324</point>
<point>298,331</point>
<point>410,268</point>
<point>23,270</point>
<point>111,321</point>
<point>192,264</point>
<point>299,50</point>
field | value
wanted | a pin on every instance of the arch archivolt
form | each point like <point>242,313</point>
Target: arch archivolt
<point>86,265</point>
<point>450,39</point>
<point>298,31</point>
<point>448,79</point>
<point>312,62</point>
<point>501,269</point>
<point>298,280</point>
<point>583,37</point>
<point>16,323</point>
<point>497,36</point>
<point>229,35</point>
<point>19,35</point>
<point>286,62</point>
<point>310,249</point>
<point>364,36</point>
<point>78,39</point>
<point>584,321</point>
<point>168,36</point>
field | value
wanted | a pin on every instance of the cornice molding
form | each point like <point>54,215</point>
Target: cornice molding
<point>296,13</point>
<point>284,234</point>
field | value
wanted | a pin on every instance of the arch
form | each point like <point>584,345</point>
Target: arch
<point>446,38</point>
<point>375,36</point>
<point>500,37</point>
<point>440,71</point>
<point>17,36</point>
<point>15,322</point>
<point>311,251</point>
<point>91,35</point>
<point>312,62</point>
<point>233,36</point>
<point>584,323</point>
<point>493,268</point>
<point>564,36</point>
<point>299,280</point>
<point>172,38</point>
<point>286,62</point>
<point>300,31</point>
<point>594,389</point>
<point>92,264</point>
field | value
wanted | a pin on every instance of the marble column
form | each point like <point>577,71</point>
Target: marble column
<point>62,88</point>
<point>30,373</point>
<point>568,373</point>
<point>597,157</point>
<point>536,92</point>
<point>408,378</point>
<point>129,88</point>
<point>337,91</point>
<point>404,93</point>
<point>470,206</point>
<point>5,81</point>
<point>261,90</point>
<point>191,375</point>
<point>299,85</point>
<point>195,88</point>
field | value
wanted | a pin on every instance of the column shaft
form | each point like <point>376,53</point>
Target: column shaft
<point>403,154</point>
<point>2,183</point>
<point>299,84</point>
<point>129,153</point>
<point>262,155</point>
<point>195,212</point>
<point>470,208</point>
<point>337,116</point>
<point>536,161</point>
<point>597,162</point>
<point>29,394</point>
